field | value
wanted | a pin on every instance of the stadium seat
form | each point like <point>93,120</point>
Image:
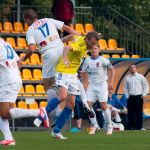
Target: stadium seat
<point>21,92</point>
<point>34,106</point>
<point>25,27</point>
<point>24,62</point>
<point>18,28</point>
<point>125,56</point>
<point>7,27</point>
<point>79,28</point>
<point>37,74</point>
<point>135,56</point>
<point>43,104</point>
<point>34,59</point>
<point>11,41</point>
<point>29,89</point>
<point>103,44</point>
<point>22,104</point>
<point>115,56</point>
<point>21,43</point>
<point>1,27</point>
<point>26,74</point>
<point>88,27</point>
<point>112,45</point>
<point>106,55</point>
<point>40,89</point>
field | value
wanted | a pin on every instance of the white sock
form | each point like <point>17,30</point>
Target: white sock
<point>4,126</point>
<point>82,93</point>
<point>94,121</point>
<point>107,116</point>
<point>22,113</point>
<point>117,118</point>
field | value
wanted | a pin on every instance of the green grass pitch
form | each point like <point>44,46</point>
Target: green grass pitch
<point>41,140</point>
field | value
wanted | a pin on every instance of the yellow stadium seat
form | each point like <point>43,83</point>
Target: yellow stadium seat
<point>103,44</point>
<point>33,106</point>
<point>29,89</point>
<point>40,89</point>
<point>43,104</point>
<point>26,74</point>
<point>79,28</point>
<point>88,27</point>
<point>106,55</point>
<point>125,56</point>
<point>115,56</point>
<point>37,74</point>
<point>11,41</point>
<point>34,59</point>
<point>135,56</point>
<point>21,92</point>
<point>21,43</point>
<point>24,62</point>
<point>22,104</point>
<point>7,27</point>
<point>1,27</point>
<point>112,45</point>
<point>18,28</point>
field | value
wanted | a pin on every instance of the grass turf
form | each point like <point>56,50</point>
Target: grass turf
<point>41,140</point>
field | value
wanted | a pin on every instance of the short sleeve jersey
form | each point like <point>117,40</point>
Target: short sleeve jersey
<point>9,72</point>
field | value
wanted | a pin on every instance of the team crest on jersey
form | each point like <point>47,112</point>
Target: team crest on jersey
<point>97,64</point>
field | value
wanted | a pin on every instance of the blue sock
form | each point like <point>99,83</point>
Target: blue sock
<point>62,119</point>
<point>52,104</point>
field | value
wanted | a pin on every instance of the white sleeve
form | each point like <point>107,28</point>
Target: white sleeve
<point>30,37</point>
<point>106,63</point>
<point>58,24</point>
<point>145,86</point>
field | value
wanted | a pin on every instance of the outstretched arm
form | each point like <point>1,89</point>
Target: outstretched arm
<point>69,30</point>
<point>68,38</point>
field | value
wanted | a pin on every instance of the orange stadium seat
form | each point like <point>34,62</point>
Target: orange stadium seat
<point>21,43</point>
<point>103,44</point>
<point>40,89</point>
<point>1,27</point>
<point>88,27</point>
<point>125,56</point>
<point>135,56</point>
<point>79,28</point>
<point>112,45</point>
<point>115,56</point>
<point>106,55</point>
<point>29,89</point>
<point>34,59</point>
<point>43,104</point>
<point>34,106</point>
<point>37,74</point>
<point>18,28</point>
<point>24,62</point>
<point>21,92</point>
<point>26,74</point>
<point>22,104</point>
<point>26,27</point>
<point>7,27</point>
<point>11,41</point>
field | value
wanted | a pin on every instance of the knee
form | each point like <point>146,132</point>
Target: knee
<point>62,97</point>
<point>104,106</point>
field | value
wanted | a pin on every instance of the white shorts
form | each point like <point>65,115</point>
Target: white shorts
<point>9,92</point>
<point>97,92</point>
<point>69,81</point>
<point>50,59</point>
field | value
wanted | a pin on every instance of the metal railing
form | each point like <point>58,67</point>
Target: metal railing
<point>107,21</point>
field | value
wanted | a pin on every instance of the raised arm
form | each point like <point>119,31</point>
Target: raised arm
<point>70,30</point>
<point>68,38</point>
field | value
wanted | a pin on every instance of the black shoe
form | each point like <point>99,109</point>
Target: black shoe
<point>89,112</point>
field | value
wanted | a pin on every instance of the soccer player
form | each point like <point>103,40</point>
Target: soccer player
<point>96,67</point>
<point>43,32</point>
<point>66,78</point>
<point>10,84</point>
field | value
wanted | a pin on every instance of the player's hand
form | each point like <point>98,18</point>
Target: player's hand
<point>66,61</point>
<point>110,87</point>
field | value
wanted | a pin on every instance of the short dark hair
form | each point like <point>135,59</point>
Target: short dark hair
<point>92,34</point>
<point>31,14</point>
<point>96,45</point>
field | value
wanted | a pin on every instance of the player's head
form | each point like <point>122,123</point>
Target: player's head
<point>91,38</point>
<point>95,49</point>
<point>30,16</point>
<point>132,68</point>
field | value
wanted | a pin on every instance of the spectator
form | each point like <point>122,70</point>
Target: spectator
<point>135,87</point>
<point>63,10</point>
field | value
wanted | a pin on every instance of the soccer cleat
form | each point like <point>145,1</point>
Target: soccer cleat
<point>58,136</point>
<point>93,130</point>
<point>42,117</point>
<point>89,112</point>
<point>8,142</point>
<point>109,129</point>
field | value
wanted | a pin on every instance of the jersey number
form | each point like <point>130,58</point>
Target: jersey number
<point>44,29</point>
<point>10,54</point>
